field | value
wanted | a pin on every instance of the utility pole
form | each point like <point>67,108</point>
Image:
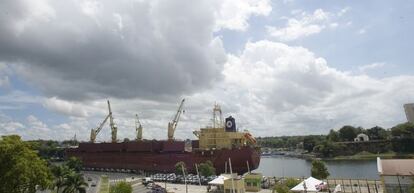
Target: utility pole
<point>231,174</point>
<point>198,175</point>
<point>248,167</point>
<point>185,179</point>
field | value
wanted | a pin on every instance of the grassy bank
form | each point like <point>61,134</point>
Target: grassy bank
<point>373,156</point>
<point>104,186</point>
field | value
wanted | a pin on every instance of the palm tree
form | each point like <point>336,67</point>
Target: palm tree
<point>74,183</point>
<point>60,173</point>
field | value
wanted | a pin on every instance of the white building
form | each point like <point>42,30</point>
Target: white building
<point>409,112</point>
<point>396,174</point>
<point>361,137</point>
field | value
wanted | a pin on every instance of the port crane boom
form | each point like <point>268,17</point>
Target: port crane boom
<point>138,128</point>
<point>173,124</point>
<point>112,124</point>
<point>95,132</point>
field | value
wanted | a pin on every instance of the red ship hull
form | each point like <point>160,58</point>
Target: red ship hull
<point>161,156</point>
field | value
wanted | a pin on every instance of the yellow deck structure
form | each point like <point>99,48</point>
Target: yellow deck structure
<point>218,138</point>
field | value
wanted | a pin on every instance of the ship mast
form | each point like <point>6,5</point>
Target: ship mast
<point>217,117</point>
<point>138,128</point>
<point>173,124</point>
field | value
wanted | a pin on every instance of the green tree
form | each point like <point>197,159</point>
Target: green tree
<point>21,169</point>
<point>405,130</point>
<point>333,136</point>
<point>377,133</point>
<point>319,170</point>
<point>74,183</point>
<point>179,166</point>
<point>309,142</point>
<point>285,185</point>
<point>403,137</point>
<point>329,149</point>
<point>121,187</point>
<point>291,182</point>
<point>60,173</point>
<point>74,164</point>
<point>348,133</point>
<point>281,188</point>
<point>207,169</point>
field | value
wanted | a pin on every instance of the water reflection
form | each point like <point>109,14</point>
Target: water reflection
<point>294,167</point>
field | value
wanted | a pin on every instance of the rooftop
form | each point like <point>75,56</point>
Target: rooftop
<point>403,167</point>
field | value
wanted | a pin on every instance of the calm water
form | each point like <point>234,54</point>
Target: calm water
<point>294,167</point>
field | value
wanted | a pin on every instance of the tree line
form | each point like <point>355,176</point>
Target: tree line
<point>25,166</point>
<point>399,139</point>
<point>23,170</point>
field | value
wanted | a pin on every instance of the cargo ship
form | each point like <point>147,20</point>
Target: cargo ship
<point>221,143</point>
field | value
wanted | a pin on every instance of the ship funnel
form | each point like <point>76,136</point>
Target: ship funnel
<point>230,124</point>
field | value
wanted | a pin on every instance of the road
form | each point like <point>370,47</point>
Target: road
<point>95,178</point>
<point>139,188</point>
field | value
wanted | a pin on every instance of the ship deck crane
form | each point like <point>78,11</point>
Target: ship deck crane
<point>95,132</point>
<point>173,124</point>
<point>138,128</point>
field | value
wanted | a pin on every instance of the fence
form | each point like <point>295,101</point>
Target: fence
<point>347,185</point>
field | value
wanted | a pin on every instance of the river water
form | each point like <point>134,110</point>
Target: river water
<point>282,166</point>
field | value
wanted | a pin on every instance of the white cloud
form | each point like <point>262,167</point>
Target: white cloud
<point>343,11</point>
<point>284,90</point>
<point>144,56</point>
<point>10,127</point>
<point>36,124</point>
<point>362,31</point>
<point>304,24</point>
<point>86,51</point>
<point>65,107</point>
<point>368,67</point>
<point>4,76</point>
<point>270,88</point>
<point>234,14</point>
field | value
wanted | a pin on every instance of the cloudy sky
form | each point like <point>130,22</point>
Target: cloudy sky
<point>282,67</point>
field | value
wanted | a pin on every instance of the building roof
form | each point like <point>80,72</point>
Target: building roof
<point>218,181</point>
<point>312,185</point>
<point>393,167</point>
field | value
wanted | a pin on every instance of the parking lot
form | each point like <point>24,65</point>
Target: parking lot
<point>190,178</point>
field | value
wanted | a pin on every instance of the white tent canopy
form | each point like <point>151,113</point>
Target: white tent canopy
<point>218,181</point>
<point>312,185</point>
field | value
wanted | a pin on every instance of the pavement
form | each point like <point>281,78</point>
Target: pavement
<point>95,179</point>
<point>139,188</point>
<point>180,188</point>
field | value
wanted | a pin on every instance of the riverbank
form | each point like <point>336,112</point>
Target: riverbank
<point>372,156</point>
<point>359,156</point>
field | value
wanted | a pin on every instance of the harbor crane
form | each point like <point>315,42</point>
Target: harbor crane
<point>173,124</point>
<point>95,132</point>
<point>138,128</point>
